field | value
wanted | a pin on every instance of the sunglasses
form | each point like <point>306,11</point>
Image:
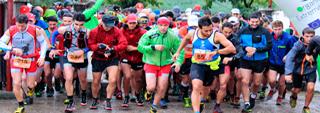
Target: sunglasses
<point>143,21</point>
<point>132,22</point>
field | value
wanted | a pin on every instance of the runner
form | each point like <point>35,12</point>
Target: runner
<point>131,61</point>
<point>281,45</point>
<point>106,41</point>
<point>50,64</point>
<point>228,64</point>
<point>205,58</point>
<point>157,45</point>
<point>75,58</point>
<point>192,22</point>
<point>300,64</point>
<point>256,42</point>
<point>24,58</point>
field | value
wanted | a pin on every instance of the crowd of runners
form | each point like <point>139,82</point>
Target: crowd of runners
<point>149,54</point>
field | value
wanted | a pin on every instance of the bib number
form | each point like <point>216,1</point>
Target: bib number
<point>75,59</point>
<point>200,56</point>
<point>22,62</point>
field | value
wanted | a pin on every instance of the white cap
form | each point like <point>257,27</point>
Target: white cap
<point>233,20</point>
<point>235,10</point>
<point>193,20</point>
<point>188,11</point>
<point>141,15</point>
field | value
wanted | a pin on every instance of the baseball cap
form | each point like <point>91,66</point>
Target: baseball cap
<point>132,18</point>
<point>24,9</point>
<point>193,20</point>
<point>116,8</point>
<point>233,20</point>
<point>197,7</point>
<point>108,20</point>
<point>235,10</point>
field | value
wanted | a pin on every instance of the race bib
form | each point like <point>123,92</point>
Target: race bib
<point>188,47</point>
<point>75,59</point>
<point>22,62</point>
<point>200,55</point>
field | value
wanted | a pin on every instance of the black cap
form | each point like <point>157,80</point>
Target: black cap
<point>108,20</point>
<point>116,8</point>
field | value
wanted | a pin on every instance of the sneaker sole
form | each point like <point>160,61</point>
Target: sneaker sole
<point>93,108</point>
<point>140,105</point>
<point>108,109</point>
<point>69,110</point>
<point>83,104</point>
<point>249,111</point>
<point>124,105</point>
<point>164,107</point>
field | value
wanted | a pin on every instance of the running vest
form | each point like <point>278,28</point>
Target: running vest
<point>200,47</point>
<point>74,40</point>
<point>25,40</point>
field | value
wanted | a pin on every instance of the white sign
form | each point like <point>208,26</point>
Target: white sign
<point>303,13</point>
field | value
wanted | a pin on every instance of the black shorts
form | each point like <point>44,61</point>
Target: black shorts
<point>101,65</point>
<point>234,64</point>
<point>134,66</point>
<point>76,65</point>
<point>203,73</point>
<point>185,67</point>
<point>278,69</point>
<point>53,61</point>
<point>297,79</point>
<point>255,66</point>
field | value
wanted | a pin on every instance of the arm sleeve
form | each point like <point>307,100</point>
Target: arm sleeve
<point>176,43</point>
<point>90,12</point>
<point>289,64</point>
<point>269,43</point>
<point>86,49</point>
<point>92,43</point>
<point>312,45</point>
<point>122,44</point>
<point>144,45</point>
<point>3,43</point>
<point>239,48</point>
<point>54,38</point>
<point>43,44</point>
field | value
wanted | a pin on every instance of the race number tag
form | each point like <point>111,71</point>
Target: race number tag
<point>22,62</point>
<point>75,59</point>
<point>188,47</point>
<point>200,55</point>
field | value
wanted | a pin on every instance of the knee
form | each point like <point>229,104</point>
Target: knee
<point>17,84</point>
<point>83,78</point>
<point>127,77</point>
<point>272,81</point>
<point>69,78</point>
<point>310,89</point>
<point>196,88</point>
<point>282,84</point>
<point>257,83</point>
<point>112,82</point>
<point>31,84</point>
<point>151,87</point>
<point>245,82</point>
<point>223,87</point>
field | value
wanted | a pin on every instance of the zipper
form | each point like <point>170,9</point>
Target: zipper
<point>161,51</point>
<point>252,46</point>
<point>277,50</point>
